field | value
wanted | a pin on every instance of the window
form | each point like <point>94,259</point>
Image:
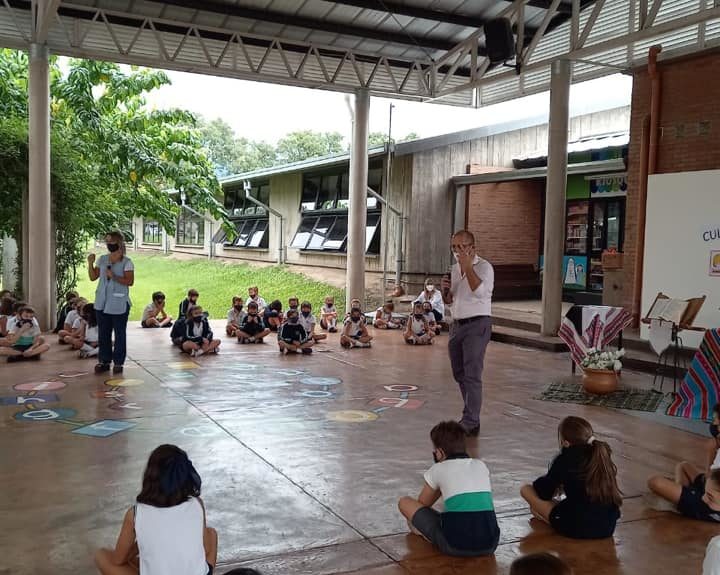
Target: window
<point>151,232</point>
<point>328,233</point>
<point>250,220</point>
<point>190,229</point>
<point>330,190</point>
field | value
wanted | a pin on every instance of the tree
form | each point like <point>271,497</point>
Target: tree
<point>297,146</point>
<point>112,157</point>
<point>376,139</point>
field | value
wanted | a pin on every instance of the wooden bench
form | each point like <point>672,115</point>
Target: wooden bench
<point>517,281</point>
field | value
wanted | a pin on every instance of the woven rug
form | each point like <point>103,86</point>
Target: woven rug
<point>623,398</point>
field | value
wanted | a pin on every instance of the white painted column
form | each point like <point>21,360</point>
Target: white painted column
<point>357,216</point>
<point>9,258</point>
<point>561,75</point>
<point>39,260</point>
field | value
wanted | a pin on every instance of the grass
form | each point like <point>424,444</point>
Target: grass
<point>217,283</point>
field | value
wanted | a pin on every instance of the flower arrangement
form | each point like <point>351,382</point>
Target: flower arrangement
<point>599,359</point>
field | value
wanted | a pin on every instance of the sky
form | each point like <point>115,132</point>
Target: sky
<point>268,111</point>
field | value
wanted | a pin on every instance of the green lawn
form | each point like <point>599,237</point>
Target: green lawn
<point>217,283</point>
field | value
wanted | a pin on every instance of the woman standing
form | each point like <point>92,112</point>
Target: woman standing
<point>112,301</point>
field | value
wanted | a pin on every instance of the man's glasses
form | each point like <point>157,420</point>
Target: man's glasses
<point>461,246</point>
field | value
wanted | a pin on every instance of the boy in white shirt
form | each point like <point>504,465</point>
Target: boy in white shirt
<point>235,316</point>
<point>253,296</point>
<point>307,320</point>
<point>89,345</point>
<point>430,317</point>
<point>355,333</point>
<point>384,317</point>
<point>417,331</point>
<point>154,314</point>
<point>329,315</point>
<point>69,329</point>
<point>24,338</point>
<point>467,526</point>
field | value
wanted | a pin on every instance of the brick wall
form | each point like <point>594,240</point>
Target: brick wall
<point>689,132</point>
<point>506,218</point>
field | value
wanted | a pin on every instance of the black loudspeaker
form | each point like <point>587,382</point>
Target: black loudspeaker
<point>499,40</point>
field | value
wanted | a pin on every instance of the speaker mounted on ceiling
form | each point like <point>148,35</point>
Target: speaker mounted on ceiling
<point>499,40</point>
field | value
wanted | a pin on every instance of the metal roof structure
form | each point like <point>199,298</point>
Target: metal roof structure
<point>413,49</point>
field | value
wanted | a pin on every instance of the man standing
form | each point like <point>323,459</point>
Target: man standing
<point>469,291</point>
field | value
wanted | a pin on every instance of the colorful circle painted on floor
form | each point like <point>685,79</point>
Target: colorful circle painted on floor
<point>120,382</point>
<point>182,365</point>
<point>40,386</point>
<point>45,414</point>
<point>316,393</point>
<point>401,388</point>
<point>352,416</point>
<point>321,381</point>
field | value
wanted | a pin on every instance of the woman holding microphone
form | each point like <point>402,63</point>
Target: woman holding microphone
<point>116,274</point>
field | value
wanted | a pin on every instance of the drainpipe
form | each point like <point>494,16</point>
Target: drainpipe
<point>184,206</point>
<point>648,165</point>
<point>247,186</point>
<point>398,238</point>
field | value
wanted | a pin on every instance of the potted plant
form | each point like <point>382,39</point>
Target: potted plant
<point>601,369</point>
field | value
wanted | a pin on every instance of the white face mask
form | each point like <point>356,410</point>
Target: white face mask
<point>457,257</point>
<point>430,287</point>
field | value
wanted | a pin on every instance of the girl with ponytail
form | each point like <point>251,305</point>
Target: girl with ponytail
<point>165,532</point>
<point>585,473</point>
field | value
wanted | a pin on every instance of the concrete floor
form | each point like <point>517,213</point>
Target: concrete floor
<point>304,458</point>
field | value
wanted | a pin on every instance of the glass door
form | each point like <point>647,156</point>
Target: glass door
<point>597,245</point>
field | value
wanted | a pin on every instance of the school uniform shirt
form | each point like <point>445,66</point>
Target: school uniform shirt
<point>308,323</point>
<point>290,332</point>
<point>384,315</point>
<point>468,303</point>
<point>429,317</point>
<point>91,334</point>
<point>258,300</point>
<point>326,309</point>
<point>149,312</point>
<point>355,327</point>
<point>28,337</point>
<point>267,314</point>
<point>435,299</point>
<point>170,539</point>
<point>78,323</point>
<point>417,325</point>
<point>71,318</point>
<point>468,517</point>
<point>112,297</point>
<point>711,564</point>
<point>252,327</point>
<point>195,331</point>
<point>12,322</point>
<point>235,316</point>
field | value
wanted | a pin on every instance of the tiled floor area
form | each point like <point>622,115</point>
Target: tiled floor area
<point>304,458</point>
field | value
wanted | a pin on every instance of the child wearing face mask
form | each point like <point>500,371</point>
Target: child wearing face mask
<point>355,333</point>
<point>430,317</point>
<point>586,474</point>
<point>467,526</point>
<point>235,316</point>
<point>417,331</point>
<point>292,337</point>
<point>355,304</point>
<point>307,320</point>
<point>691,491</point>
<point>329,315</point>
<point>89,346</point>
<point>188,302</point>
<point>384,317</point>
<point>273,315</point>
<point>252,329</point>
<point>198,337</point>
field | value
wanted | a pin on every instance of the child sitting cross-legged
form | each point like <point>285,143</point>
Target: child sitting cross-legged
<point>417,330</point>
<point>252,328</point>
<point>235,316</point>
<point>273,315</point>
<point>292,337</point>
<point>166,530</point>
<point>89,345</point>
<point>154,314</point>
<point>329,315</point>
<point>307,320</point>
<point>430,317</point>
<point>65,309</point>
<point>355,333</point>
<point>24,338</point>
<point>197,336</point>
<point>585,473</point>
<point>467,526</point>
<point>695,492</point>
<point>71,327</point>
<point>384,317</point>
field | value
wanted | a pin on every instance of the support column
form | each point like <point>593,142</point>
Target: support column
<point>357,216</point>
<point>561,75</point>
<point>38,260</point>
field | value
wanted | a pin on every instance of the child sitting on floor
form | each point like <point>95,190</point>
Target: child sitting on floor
<point>197,336</point>
<point>177,331</point>
<point>273,316</point>
<point>188,302</point>
<point>294,303</point>
<point>166,530</point>
<point>292,337</point>
<point>252,329</point>
<point>417,331</point>
<point>540,564</point>
<point>235,316</point>
<point>329,315</point>
<point>691,491</point>
<point>24,338</point>
<point>430,317</point>
<point>307,320</point>
<point>468,525</point>
<point>355,304</point>
<point>89,347</point>
<point>586,474</point>
<point>355,333</point>
<point>71,325</point>
<point>384,317</point>
<point>154,314</point>
<point>64,310</point>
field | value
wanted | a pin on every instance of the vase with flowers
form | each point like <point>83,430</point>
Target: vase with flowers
<point>601,369</point>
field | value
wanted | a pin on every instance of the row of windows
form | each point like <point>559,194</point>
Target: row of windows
<point>329,233</point>
<point>330,190</point>
<point>250,233</point>
<point>237,204</point>
<point>190,229</point>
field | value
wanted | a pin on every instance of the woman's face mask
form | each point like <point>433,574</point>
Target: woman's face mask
<point>112,247</point>
<point>430,287</point>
